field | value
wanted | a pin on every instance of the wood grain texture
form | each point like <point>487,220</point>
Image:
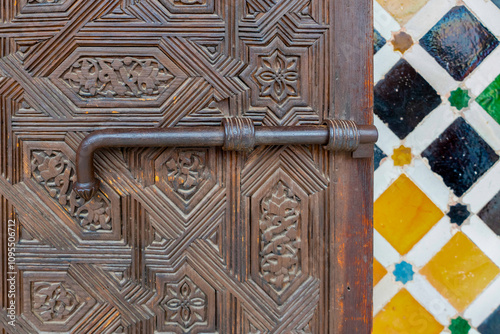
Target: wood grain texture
<point>185,240</point>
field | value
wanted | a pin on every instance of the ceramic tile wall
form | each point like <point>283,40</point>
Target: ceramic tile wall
<point>437,177</point>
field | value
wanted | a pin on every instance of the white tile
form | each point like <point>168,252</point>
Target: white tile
<point>484,125</point>
<point>430,69</point>
<point>430,183</point>
<point>385,290</point>
<point>482,192</point>
<point>383,61</point>
<point>431,243</point>
<point>383,21</point>
<point>387,141</point>
<point>487,240</point>
<point>383,251</point>
<point>430,128</point>
<point>431,299</point>
<point>428,16</point>
<point>484,304</point>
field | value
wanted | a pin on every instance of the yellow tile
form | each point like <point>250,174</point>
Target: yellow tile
<point>460,271</point>
<point>378,272</point>
<point>403,314</point>
<point>403,214</point>
<point>402,10</point>
<point>401,156</point>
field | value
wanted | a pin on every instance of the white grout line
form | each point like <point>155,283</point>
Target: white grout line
<point>484,125</point>
<point>482,192</point>
<point>385,290</point>
<point>484,304</point>
<point>383,251</point>
<point>484,74</point>
<point>484,238</point>
<point>487,13</point>
<point>384,176</point>
<point>431,299</point>
<point>388,141</point>
<point>428,16</point>
<point>383,21</point>
<point>383,61</point>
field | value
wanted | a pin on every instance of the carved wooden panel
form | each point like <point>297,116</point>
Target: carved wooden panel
<point>184,240</point>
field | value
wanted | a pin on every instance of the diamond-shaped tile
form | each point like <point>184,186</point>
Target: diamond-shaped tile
<point>492,324</point>
<point>403,314</point>
<point>460,271</point>
<point>404,214</point>
<point>490,99</point>
<point>378,41</point>
<point>402,10</point>
<point>379,155</point>
<point>490,214</point>
<point>403,98</point>
<point>459,42</point>
<point>459,98</point>
<point>458,214</point>
<point>378,272</point>
<point>460,156</point>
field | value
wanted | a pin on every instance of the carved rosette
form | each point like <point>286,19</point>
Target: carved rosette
<point>278,76</point>
<point>56,173</point>
<point>54,301</point>
<point>279,225</point>
<point>185,176</point>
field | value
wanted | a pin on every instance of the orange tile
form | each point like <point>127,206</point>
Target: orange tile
<point>378,272</point>
<point>401,156</point>
<point>403,314</point>
<point>460,271</point>
<point>403,214</point>
<point>402,10</point>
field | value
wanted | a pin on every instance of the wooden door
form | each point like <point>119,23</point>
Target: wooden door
<point>192,240</point>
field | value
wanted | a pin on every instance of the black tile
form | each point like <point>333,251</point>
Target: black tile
<point>460,156</point>
<point>490,214</point>
<point>459,42</point>
<point>458,214</point>
<point>379,155</point>
<point>492,324</point>
<point>403,98</point>
<point>378,41</point>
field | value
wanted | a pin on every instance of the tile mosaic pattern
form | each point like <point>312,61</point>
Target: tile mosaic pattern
<point>437,167</point>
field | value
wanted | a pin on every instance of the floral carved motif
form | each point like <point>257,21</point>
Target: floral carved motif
<point>280,242</point>
<point>278,76</point>
<point>185,304</point>
<point>55,172</point>
<point>128,77</point>
<point>186,171</point>
<point>53,301</point>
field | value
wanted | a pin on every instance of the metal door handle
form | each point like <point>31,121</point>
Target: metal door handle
<point>235,134</point>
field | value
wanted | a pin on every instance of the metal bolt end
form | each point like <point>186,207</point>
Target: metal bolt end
<point>86,190</point>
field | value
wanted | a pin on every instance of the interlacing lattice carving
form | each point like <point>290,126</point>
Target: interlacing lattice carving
<point>185,304</point>
<point>53,301</point>
<point>186,171</point>
<point>126,77</point>
<point>55,172</point>
<point>280,241</point>
<point>44,1</point>
<point>278,76</point>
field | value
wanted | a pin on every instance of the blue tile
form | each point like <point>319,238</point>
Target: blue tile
<point>378,41</point>
<point>492,324</point>
<point>490,214</point>
<point>403,272</point>
<point>403,99</point>
<point>458,214</point>
<point>460,156</point>
<point>459,42</point>
<point>496,2</point>
<point>379,155</point>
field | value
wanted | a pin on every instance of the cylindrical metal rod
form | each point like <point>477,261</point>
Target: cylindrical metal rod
<point>233,135</point>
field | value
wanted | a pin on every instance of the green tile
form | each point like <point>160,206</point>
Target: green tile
<point>490,99</point>
<point>459,326</point>
<point>459,98</point>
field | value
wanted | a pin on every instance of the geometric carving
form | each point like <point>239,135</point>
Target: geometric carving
<point>53,301</point>
<point>189,6</point>
<point>56,173</point>
<point>45,1</point>
<point>185,176</point>
<point>185,304</point>
<point>280,242</point>
<point>117,77</point>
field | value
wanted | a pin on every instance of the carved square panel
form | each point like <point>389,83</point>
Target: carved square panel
<point>53,301</point>
<point>50,172</point>
<point>189,6</point>
<point>44,6</point>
